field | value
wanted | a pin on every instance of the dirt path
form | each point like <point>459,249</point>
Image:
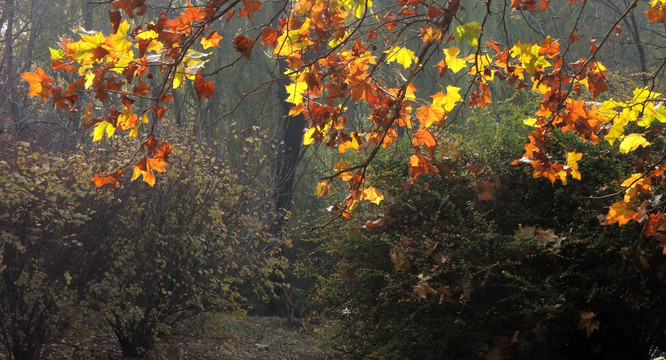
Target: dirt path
<point>266,338</point>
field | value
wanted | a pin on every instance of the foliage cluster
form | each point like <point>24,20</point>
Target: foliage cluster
<point>139,260</point>
<point>485,262</point>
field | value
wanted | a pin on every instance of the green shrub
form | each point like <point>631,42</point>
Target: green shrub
<point>488,262</point>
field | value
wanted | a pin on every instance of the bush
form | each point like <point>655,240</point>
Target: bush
<point>487,262</point>
<point>144,258</point>
<point>45,213</point>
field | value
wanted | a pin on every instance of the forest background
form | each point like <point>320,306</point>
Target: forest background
<point>445,243</point>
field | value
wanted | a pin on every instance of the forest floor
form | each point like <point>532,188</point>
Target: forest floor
<point>266,338</point>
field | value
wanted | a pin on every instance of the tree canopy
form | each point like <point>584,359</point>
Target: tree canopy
<point>364,73</point>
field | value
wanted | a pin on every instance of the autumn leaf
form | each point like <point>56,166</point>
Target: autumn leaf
<point>631,142</point>
<point>452,60</point>
<point>470,32</point>
<point>269,36</point>
<point>243,45</point>
<point>212,40</point>
<point>424,137</point>
<point>323,188</point>
<point>400,263</point>
<point>401,55</point>
<point>40,83</point>
<point>572,162</point>
<point>112,179</point>
<point>620,213</point>
<point>203,88</point>
<point>588,322</point>
<point>371,194</point>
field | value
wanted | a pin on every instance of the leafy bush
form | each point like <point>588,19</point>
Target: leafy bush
<point>186,246</point>
<point>44,216</point>
<point>143,259</point>
<point>487,262</point>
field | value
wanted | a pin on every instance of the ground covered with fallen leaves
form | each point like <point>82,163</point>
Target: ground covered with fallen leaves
<point>266,338</point>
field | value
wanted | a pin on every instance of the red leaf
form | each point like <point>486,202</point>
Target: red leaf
<point>269,36</point>
<point>243,45</point>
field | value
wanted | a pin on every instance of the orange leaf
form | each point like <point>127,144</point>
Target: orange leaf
<point>40,83</point>
<point>424,137</point>
<point>250,6</point>
<point>112,179</point>
<point>619,213</point>
<point>203,88</point>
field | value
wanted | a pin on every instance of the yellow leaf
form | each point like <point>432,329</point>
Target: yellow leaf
<point>101,128</point>
<point>341,165</point>
<point>452,60</point>
<point>572,161</point>
<point>371,194</point>
<point>401,55</point>
<point>530,122</point>
<point>619,213</point>
<point>631,142</point>
<point>448,101</point>
<point>323,188</point>
<point>212,40</point>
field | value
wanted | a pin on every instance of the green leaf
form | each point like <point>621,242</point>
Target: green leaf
<point>470,32</point>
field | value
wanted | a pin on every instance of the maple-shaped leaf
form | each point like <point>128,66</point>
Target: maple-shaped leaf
<point>373,195</point>
<point>429,34</point>
<point>40,83</point>
<point>243,45</point>
<point>657,11</point>
<point>620,213</point>
<point>588,322</point>
<point>424,137</point>
<point>401,55</point>
<point>203,88</point>
<point>249,7</point>
<point>470,32</point>
<point>631,142</point>
<point>112,179</point>
<point>269,36</point>
<point>452,60</point>
<point>213,39</point>
<point>572,162</point>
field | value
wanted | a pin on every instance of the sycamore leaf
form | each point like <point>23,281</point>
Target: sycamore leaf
<point>323,188</point>
<point>631,142</point>
<point>401,55</point>
<point>112,179</point>
<point>588,322</point>
<point>101,128</point>
<point>470,32</point>
<point>40,83</point>
<point>371,194</point>
<point>211,40</point>
<point>620,213</point>
<point>572,161</point>
<point>452,60</point>
<point>243,45</point>
<point>203,88</point>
